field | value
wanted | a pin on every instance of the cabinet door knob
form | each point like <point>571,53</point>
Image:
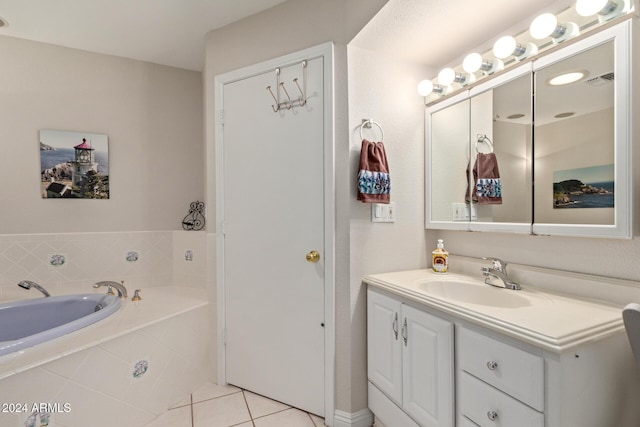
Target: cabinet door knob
<point>492,415</point>
<point>492,365</point>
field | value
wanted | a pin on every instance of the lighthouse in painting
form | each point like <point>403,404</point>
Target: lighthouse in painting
<point>84,162</point>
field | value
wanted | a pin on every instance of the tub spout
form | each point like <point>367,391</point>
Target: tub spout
<point>28,284</point>
<point>122,291</point>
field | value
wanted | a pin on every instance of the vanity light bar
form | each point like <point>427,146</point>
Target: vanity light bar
<point>542,27</point>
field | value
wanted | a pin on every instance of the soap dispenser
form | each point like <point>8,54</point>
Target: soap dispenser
<point>440,258</point>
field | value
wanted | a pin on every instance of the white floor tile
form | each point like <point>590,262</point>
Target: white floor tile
<point>211,390</point>
<point>184,402</point>
<point>288,418</point>
<point>260,406</point>
<point>180,417</point>
<point>223,411</point>
<point>318,421</point>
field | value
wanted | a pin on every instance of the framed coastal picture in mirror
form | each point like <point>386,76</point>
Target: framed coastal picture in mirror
<point>74,165</point>
<point>581,188</point>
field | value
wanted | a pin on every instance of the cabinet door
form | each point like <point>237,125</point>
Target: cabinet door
<point>427,368</point>
<point>383,345</point>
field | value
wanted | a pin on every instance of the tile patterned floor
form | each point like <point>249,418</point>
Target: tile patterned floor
<point>229,406</point>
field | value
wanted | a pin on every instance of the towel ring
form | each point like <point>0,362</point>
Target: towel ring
<point>366,124</point>
<point>484,139</point>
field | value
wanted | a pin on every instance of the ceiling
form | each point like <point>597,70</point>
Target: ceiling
<point>169,32</point>
<point>436,33</point>
<point>172,32</point>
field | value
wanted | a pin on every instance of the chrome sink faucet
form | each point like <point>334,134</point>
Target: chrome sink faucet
<point>122,291</point>
<point>499,271</point>
<point>28,284</point>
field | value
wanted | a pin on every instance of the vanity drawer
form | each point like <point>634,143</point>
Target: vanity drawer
<point>488,407</point>
<point>514,371</point>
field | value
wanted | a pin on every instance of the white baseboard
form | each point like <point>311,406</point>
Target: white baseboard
<point>363,418</point>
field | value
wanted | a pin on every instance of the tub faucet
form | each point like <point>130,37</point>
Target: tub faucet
<point>28,284</point>
<point>122,291</point>
<point>499,271</point>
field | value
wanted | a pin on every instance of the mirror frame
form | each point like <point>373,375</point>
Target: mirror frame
<point>621,34</point>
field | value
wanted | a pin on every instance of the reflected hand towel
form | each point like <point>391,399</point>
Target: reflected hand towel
<point>488,182</point>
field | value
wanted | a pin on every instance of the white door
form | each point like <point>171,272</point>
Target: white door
<point>427,368</point>
<point>273,217</point>
<point>384,364</point>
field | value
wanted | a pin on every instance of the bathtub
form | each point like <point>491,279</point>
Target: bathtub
<point>27,323</point>
<point>123,371</point>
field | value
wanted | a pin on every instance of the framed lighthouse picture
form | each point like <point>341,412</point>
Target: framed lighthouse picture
<point>74,165</point>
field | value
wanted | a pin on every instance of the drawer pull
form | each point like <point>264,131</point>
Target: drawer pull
<point>404,332</point>
<point>394,326</point>
<point>492,365</point>
<point>492,415</point>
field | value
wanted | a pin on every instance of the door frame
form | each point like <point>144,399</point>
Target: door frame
<point>325,51</point>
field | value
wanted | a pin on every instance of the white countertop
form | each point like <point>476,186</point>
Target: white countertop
<point>548,320</point>
<point>157,304</point>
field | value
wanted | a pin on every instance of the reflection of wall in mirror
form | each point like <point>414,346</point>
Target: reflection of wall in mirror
<point>512,143</point>
<point>450,153</point>
<point>572,143</point>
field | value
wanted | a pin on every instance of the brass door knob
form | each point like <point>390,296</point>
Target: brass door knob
<point>313,256</point>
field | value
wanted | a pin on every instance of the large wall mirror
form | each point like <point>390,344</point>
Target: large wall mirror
<point>555,156</point>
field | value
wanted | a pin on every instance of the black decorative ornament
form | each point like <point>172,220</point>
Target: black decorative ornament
<point>195,218</point>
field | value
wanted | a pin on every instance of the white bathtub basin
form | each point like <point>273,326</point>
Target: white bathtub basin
<point>29,322</point>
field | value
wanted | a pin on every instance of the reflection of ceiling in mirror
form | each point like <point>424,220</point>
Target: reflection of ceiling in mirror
<point>581,97</point>
<point>553,102</point>
<point>513,99</point>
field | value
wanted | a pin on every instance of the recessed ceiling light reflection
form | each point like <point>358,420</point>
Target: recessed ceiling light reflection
<point>515,116</point>
<point>567,78</point>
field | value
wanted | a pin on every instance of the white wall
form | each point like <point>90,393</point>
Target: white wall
<point>384,90</point>
<point>151,113</point>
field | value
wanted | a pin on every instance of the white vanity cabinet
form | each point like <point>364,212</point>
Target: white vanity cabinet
<point>410,363</point>
<point>535,360</point>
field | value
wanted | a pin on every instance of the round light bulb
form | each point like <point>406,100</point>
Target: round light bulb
<point>425,87</point>
<point>504,47</point>
<point>590,7</point>
<point>543,26</point>
<point>446,76</point>
<point>472,62</point>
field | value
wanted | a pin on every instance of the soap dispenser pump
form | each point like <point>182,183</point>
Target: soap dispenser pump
<point>440,258</point>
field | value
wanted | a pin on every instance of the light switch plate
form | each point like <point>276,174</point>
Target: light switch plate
<point>383,212</point>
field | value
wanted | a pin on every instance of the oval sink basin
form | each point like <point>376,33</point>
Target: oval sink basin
<point>474,293</point>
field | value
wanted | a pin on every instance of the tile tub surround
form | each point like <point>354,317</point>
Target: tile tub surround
<point>90,257</point>
<point>96,372</point>
<point>224,406</point>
